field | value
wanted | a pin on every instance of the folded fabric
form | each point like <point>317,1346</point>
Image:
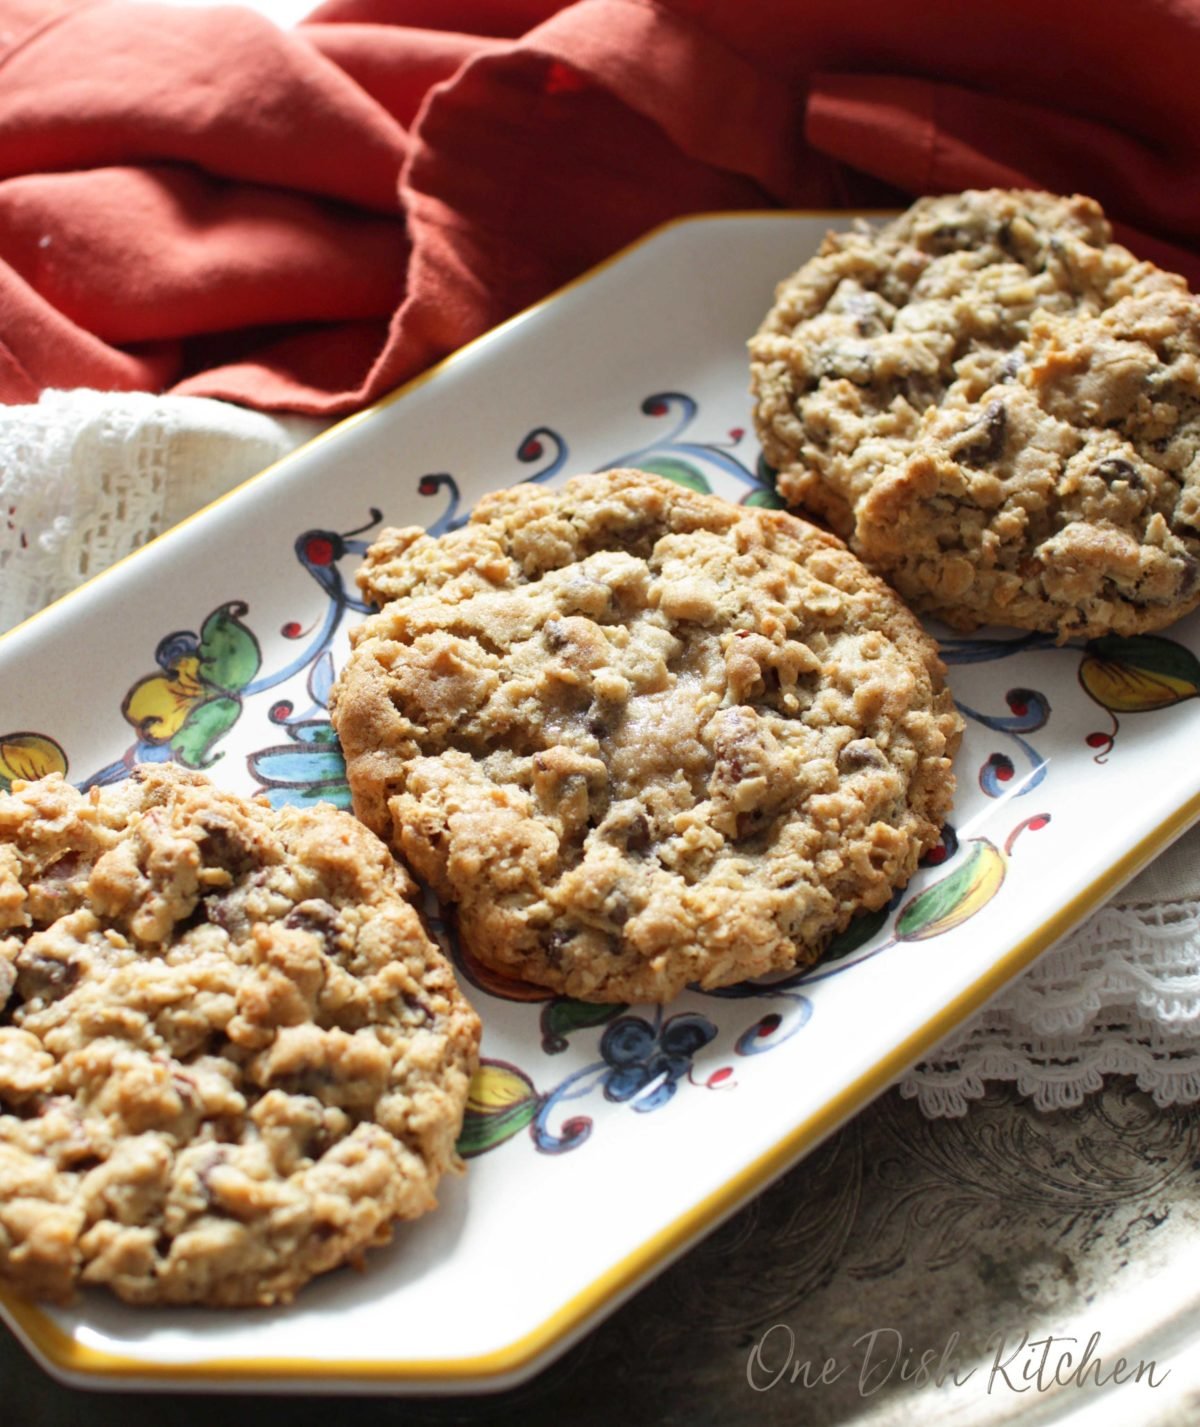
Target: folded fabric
<point>194,200</point>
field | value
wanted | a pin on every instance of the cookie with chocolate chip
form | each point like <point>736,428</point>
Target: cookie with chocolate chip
<point>230,1055</point>
<point>640,738</point>
<point>999,408</point>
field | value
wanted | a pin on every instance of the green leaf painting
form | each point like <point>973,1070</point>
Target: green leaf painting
<point>957,896</point>
<point>229,653</point>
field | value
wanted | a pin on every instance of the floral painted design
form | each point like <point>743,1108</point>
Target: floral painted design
<point>674,453</point>
<point>648,1060</point>
<point>670,452</point>
<point>1133,675</point>
<point>309,768</point>
<point>1029,710</point>
<point>562,1016</point>
<point>642,1063</point>
<point>1141,673</point>
<point>29,756</point>
<point>195,699</point>
<point>182,711</point>
<point>1138,674</point>
<point>501,1102</point>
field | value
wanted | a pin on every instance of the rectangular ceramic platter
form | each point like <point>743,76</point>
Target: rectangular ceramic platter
<point>580,1197</point>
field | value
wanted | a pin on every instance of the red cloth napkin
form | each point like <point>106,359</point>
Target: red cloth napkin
<point>194,200</point>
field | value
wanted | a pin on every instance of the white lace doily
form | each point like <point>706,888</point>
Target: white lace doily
<point>87,477</point>
<point>1119,996</point>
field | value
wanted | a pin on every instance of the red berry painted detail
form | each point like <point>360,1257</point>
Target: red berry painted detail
<point>319,551</point>
<point>719,1076</point>
<point>1036,824</point>
<point>768,1024</point>
<point>737,433</point>
<point>292,629</point>
<point>280,711</point>
<point>531,450</point>
<point>1098,740</point>
<point>657,408</point>
<point>427,485</point>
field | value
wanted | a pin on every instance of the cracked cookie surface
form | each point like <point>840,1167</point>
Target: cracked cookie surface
<point>230,1055</point>
<point>639,737</point>
<point>999,408</point>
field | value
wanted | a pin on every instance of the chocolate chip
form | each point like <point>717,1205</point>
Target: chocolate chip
<point>221,846</point>
<point>313,1080</point>
<point>637,835</point>
<point>1113,468</point>
<point>64,868</point>
<point>44,977</point>
<point>554,945</point>
<point>315,916</point>
<point>983,440</point>
<point>556,635</point>
<point>619,910</point>
<point>215,1043</point>
<point>862,753</point>
<point>948,238</point>
<point>311,916</point>
<point>212,1160</point>
<point>197,917</point>
<point>597,727</point>
<point>1189,575</point>
<point>418,1006</point>
<point>218,912</point>
<point>750,824</point>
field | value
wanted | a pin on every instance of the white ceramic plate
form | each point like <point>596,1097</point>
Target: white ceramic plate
<point>601,1150</point>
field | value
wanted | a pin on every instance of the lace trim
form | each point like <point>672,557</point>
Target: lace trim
<point>86,477</point>
<point>1120,996</point>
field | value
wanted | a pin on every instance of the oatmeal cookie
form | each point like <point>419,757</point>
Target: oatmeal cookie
<point>640,737</point>
<point>997,406</point>
<point>1066,500</point>
<point>230,1055</point>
